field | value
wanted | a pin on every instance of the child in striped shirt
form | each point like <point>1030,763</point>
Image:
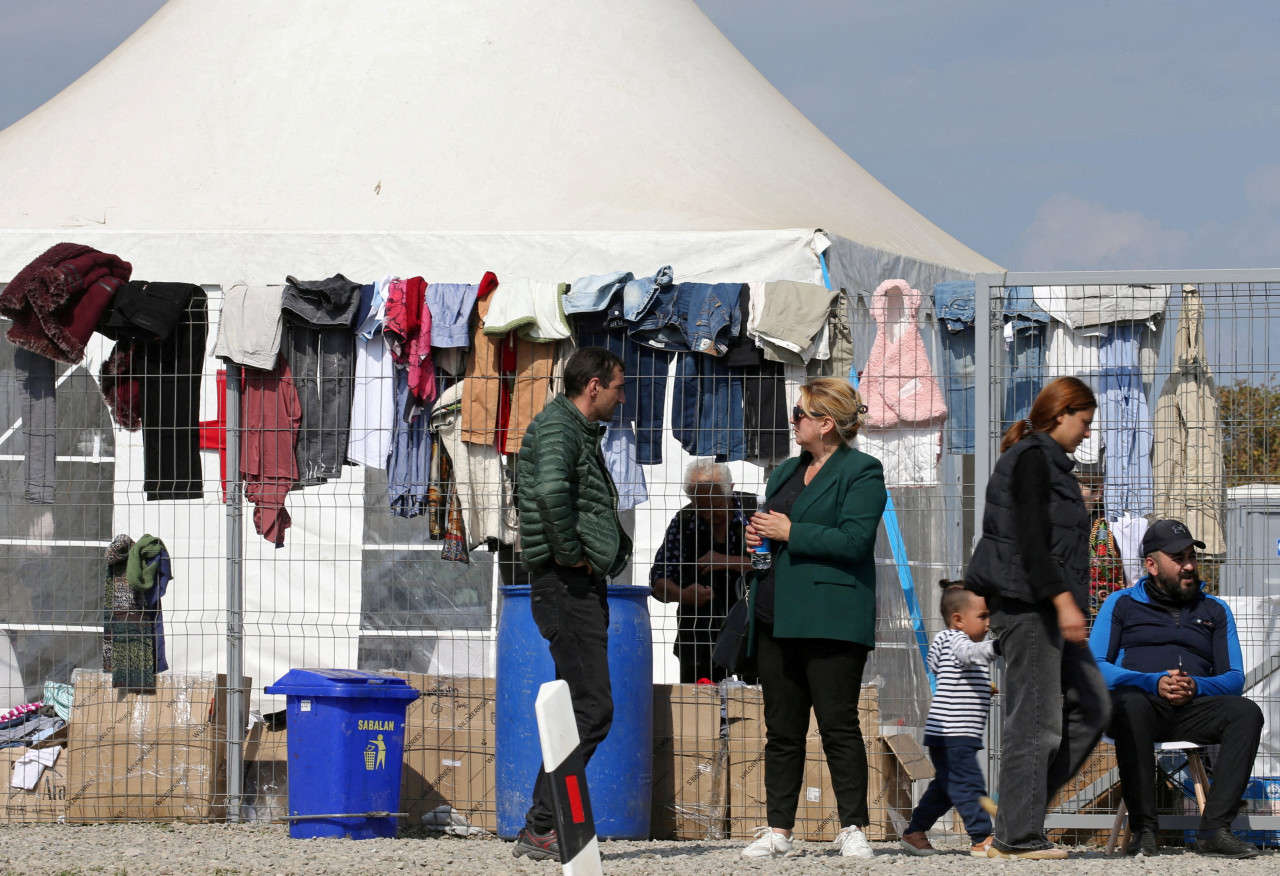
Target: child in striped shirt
<point>960,658</point>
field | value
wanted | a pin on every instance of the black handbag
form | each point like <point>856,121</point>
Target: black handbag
<point>731,642</point>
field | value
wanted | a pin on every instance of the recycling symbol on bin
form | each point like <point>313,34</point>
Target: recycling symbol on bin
<point>375,754</point>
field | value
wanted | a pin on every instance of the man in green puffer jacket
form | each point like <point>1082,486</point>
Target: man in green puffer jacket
<point>572,542</point>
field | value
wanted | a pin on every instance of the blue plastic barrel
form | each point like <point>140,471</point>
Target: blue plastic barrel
<point>346,749</point>
<point>620,775</point>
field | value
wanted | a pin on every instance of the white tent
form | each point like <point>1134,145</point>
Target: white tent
<point>250,139</point>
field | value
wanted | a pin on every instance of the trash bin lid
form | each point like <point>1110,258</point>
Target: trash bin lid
<point>342,683</point>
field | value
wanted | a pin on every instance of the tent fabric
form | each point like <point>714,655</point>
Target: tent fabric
<point>457,115</point>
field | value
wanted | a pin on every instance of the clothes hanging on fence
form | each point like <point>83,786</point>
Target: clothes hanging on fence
<point>1025,326</point>
<point>415,349</point>
<point>132,642</point>
<point>271,415</point>
<point>1126,423</point>
<point>707,408</point>
<point>454,530</point>
<point>409,463</point>
<point>37,387</point>
<point>905,409</point>
<point>833,356</point>
<point>484,484</point>
<point>320,348</point>
<point>373,410</point>
<point>597,293</point>
<point>619,448</point>
<point>1080,307</point>
<point>250,326</point>
<point>57,301</point>
<point>154,385</point>
<point>451,306</point>
<point>1187,456</point>
<point>953,302</point>
<point>790,319</point>
<point>1072,353</point>
<point>508,382</point>
<point>766,418</point>
<point>530,309</point>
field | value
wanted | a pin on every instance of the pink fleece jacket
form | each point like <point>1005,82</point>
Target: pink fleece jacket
<point>898,383</point>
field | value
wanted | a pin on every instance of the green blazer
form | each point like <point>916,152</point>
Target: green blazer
<point>825,579</point>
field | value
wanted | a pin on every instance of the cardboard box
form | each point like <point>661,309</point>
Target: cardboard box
<point>452,713</point>
<point>100,711</point>
<point>817,817</point>
<point>690,779</point>
<point>266,784</point>
<point>449,749</point>
<point>167,775</point>
<point>47,802</point>
<point>463,780</point>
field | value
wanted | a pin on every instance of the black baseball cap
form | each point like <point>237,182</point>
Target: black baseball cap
<point>1170,536</point>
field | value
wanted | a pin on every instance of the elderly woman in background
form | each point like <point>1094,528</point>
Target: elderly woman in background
<point>814,612</point>
<point>700,563</point>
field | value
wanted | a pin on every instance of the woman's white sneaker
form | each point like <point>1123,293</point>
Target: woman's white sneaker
<point>852,843</point>
<point>769,844</point>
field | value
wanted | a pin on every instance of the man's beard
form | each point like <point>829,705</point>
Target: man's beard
<point>1179,590</point>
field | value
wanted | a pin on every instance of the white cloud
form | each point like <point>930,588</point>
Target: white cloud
<point>1071,233</point>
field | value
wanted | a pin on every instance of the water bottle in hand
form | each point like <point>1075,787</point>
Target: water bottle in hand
<point>762,556</point>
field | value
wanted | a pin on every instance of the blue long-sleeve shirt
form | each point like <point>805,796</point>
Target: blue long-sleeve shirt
<point>1136,641</point>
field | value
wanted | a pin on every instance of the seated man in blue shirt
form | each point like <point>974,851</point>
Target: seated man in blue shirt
<point>1171,657</point>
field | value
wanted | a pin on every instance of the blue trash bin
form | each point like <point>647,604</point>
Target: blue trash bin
<point>620,775</point>
<point>346,749</point>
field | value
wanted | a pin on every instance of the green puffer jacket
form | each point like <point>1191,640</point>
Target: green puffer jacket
<point>567,501</point>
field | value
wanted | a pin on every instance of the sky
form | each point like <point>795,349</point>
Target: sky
<point>1088,135</point>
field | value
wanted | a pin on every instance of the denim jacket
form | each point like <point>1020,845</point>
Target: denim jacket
<point>639,294</point>
<point>953,303</point>
<point>591,294</point>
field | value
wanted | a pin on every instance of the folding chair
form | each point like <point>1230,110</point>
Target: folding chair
<point>1199,779</point>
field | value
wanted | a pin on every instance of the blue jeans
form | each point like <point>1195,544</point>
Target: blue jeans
<point>707,409</point>
<point>572,614</point>
<point>957,782</point>
<point>704,312</point>
<point>954,301</point>
<point>639,293</point>
<point>958,383</point>
<point>1056,707</point>
<point>645,384</point>
<point>1025,372</point>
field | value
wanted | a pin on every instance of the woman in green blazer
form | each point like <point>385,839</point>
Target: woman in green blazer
<point>813,612</point>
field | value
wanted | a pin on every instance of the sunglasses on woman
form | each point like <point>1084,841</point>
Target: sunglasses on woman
<point>798,413</point>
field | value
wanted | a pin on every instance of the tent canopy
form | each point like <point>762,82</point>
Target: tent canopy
<point>454,116</point>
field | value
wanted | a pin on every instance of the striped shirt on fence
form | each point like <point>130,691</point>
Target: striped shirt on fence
<point>963,698</point>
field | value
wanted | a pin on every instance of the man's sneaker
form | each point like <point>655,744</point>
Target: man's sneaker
<point>988,805</point>
<point>1143,843</point>
<point>1225,844</point>
<point>769,844</point>
<point>980,849</point>
<point>1043,852</point>
<point>852,843</point>
<point>537,846</point>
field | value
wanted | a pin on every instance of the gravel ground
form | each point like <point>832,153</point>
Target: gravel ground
<point>241,850</point>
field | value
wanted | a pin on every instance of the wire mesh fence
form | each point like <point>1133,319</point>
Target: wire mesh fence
<point>353,506</point>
